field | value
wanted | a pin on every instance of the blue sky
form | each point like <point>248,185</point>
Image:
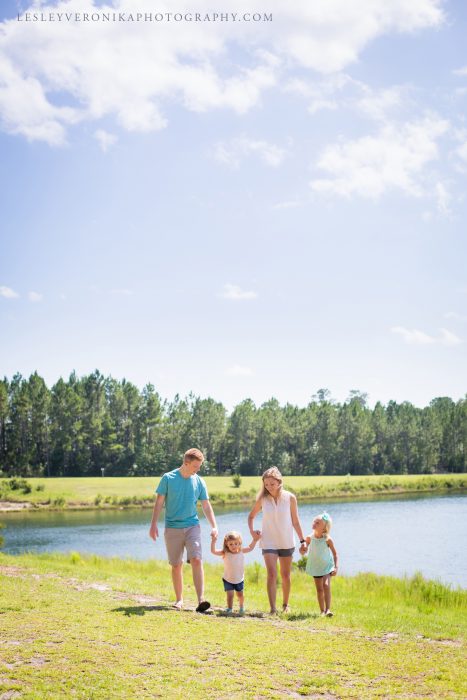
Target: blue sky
<point>240,210</point>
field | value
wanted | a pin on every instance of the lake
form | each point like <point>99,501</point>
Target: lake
<point>394,535</point>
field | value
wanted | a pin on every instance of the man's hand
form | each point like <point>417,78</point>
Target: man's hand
<point>154,532</point>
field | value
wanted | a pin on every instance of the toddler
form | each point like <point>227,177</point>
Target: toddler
<point>234,566</point>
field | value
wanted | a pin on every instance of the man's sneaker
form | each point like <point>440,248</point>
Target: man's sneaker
<point>203,606</point>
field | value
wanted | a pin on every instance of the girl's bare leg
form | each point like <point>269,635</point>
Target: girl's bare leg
<point>327,591</point>
<point>320,594</point>
<point>271,567</point>
<point>285,564</point>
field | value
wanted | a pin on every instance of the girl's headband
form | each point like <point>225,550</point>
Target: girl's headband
<point>325,517</point>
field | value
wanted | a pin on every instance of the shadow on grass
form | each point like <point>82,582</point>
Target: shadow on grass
<point>293,617</point>
<point>141,609</point>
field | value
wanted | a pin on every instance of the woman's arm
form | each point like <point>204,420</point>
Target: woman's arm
<point>253,513</point>
<point>330,544</point>
<point>295,519</point>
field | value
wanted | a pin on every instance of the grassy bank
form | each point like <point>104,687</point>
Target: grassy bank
<point>101,628</point>
<point>111,492</point>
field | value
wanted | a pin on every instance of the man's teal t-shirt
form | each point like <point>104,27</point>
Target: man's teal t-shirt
<point>181,497</point>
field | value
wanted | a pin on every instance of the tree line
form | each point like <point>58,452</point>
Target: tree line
<point>79,426</point>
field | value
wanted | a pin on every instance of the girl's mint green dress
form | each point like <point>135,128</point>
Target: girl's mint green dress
<point>320,560</point>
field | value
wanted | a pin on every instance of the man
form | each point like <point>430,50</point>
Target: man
<point>180,490</point>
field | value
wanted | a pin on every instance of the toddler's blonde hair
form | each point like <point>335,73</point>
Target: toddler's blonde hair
<point>231,536</point>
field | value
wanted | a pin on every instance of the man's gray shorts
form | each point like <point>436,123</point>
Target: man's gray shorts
<point>179,538</point>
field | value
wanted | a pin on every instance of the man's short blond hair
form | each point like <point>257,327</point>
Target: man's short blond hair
<point>192,455</point>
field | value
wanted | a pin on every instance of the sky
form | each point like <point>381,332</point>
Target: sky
<point>242,209</point>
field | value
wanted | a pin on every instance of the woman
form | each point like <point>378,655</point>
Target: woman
<point>280,519</point>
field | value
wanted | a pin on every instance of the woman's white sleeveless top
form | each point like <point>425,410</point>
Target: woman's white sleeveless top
<point>277,529</point>
<point>234,567</point>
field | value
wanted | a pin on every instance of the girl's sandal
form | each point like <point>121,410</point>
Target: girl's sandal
<point>178,605</point>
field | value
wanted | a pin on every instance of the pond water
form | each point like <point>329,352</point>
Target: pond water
<point>394,536</point>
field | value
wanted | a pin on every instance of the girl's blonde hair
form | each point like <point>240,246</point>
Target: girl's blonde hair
<point>271,473</point>
<point>327,520</point>
<point>231,536</point>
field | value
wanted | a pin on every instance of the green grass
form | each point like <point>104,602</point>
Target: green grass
<point>89,627</point>
<point>108,492</point>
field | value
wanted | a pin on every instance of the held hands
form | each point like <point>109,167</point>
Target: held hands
<point>256,535</point>
<point>303,549</point>
<point>214,534</point>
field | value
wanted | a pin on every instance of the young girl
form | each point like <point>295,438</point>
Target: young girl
<point>234,566</point>
<point>322,560</point>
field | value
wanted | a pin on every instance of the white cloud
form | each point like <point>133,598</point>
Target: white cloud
<point>35,297</point>
<point>131,70</point>
<point>377,104</point>
<point>443,198</point>
<point>235,293</point>
<point>461,71</point>
<point>417,337</point>
<point>239,371</point>
<point>455,316</point>
<point>105,139</point>
<point>232,153</point>
<point>8,293</point>
<point>393,159</point>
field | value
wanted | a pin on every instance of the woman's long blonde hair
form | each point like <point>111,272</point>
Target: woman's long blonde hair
<point>271,473</point>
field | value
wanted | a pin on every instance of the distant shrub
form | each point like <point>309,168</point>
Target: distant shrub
<point>98,499</point>
<point>40,487</point>
<point>58,502</point>
<point>236,480</point>
<point>75,558</point>
<point>18,484</point>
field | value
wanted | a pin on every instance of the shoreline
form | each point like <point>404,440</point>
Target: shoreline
<point>243,499</point>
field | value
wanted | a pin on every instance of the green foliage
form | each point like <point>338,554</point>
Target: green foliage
<point>236,480</point>
<point>84,424</point>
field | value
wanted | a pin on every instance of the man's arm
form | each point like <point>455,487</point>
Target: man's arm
<point>209,513</point>
<point>158,505</point>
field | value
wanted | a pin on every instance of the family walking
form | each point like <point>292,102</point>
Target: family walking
<point>181,489</point>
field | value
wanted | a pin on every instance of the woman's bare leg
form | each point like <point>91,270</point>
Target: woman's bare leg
<point>285,564</point>
<point>270,561</point>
